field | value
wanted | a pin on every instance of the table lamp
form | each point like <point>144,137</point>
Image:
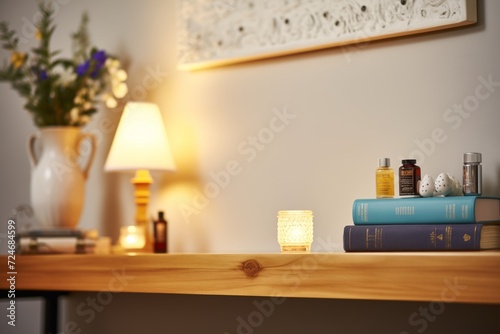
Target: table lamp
<point>140,144</point>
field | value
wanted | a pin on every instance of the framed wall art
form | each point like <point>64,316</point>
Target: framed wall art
<point>221,32</point>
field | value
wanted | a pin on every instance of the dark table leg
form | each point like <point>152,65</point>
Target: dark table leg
<point>51,308</point>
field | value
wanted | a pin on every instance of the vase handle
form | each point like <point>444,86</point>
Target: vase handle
<point>31,149</point>
<point>93,143</point>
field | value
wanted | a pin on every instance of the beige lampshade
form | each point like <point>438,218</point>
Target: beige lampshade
<point>140,141</point>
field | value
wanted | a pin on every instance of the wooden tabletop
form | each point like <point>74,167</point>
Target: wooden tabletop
<point>471,277</point>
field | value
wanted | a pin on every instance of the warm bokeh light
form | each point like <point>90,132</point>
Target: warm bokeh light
<point>295,230</point>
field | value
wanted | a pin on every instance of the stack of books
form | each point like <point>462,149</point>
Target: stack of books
<point>56,241</point>
<point>424,224</point>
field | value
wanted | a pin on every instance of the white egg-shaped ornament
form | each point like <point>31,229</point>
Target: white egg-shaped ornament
<point>456,187</point>
<point>443,185</point>
<point>426,188</point>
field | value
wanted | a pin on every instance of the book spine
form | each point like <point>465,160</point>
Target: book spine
<point>439,237</point>
<point>68,245</point>
<point>445,210</point>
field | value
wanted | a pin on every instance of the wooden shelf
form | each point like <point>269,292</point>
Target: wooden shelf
<point>470,277</point>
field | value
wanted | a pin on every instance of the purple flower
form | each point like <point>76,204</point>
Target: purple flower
<point>95,64</point>
<point>42,75</point>
<point>83,68</point>
<point>99,57</point>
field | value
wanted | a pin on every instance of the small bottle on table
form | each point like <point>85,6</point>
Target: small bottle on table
<point>160,234</point>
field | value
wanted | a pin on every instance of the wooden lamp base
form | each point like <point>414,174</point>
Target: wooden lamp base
<point>141,182</point>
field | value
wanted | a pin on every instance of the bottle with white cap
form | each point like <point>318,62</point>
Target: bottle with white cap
<point>472,185</point>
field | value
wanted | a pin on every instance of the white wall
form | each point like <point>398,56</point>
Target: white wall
<point>351,106</point>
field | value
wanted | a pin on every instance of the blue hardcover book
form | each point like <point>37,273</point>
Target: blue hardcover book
<point>440,237</point>
<point>420,210</point>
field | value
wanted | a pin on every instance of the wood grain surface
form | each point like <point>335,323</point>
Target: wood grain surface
<point>471,277</point>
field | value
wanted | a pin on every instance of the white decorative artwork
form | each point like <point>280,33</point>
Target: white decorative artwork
<point>220,32</point>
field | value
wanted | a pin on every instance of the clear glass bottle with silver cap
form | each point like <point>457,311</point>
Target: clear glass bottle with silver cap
<point>473,174</point>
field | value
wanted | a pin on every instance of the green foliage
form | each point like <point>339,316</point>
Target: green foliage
<point>60,91</point>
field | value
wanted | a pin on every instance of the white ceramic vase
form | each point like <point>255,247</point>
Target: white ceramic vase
<point>57,177</point>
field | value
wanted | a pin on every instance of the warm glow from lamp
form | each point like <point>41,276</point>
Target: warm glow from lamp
<point>140,141</point>
<point>140,144</point>
<point>132,237</point>
<point>295,230</point>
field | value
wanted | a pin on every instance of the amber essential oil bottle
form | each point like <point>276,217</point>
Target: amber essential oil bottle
<point>409,178</point>
<point>160,234</point>
<point>384,179</point>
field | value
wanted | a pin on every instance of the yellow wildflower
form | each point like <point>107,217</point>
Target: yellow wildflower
<point>17,59</point>
<point>38,35</point>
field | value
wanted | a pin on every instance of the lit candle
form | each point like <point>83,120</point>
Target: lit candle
<point>132,237</point>
<point>295,230</point>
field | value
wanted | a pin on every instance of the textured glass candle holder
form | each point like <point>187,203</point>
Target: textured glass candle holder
<point>132,237</point>
<point>295,230</point>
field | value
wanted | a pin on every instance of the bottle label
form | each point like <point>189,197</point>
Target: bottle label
<point>384,184</point>
<point>408,183</point>
<point>407,173</point>
<point>471,182</point>
<point>160,233</point>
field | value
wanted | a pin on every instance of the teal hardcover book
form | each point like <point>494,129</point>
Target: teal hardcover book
<point>420,210</point>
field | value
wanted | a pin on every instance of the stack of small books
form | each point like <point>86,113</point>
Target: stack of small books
<point>424,224</point>
<point>56,241</point>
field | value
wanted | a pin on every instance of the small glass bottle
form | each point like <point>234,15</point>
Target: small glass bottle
<point>409,177</point>
<point>472,179</point>
<point>384,179</point>
<point>160,234</point>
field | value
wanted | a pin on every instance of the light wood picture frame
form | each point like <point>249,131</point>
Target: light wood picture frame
<point>221,32</point>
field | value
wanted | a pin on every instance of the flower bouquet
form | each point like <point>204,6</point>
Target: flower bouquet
<point>61,94</point>
<point>60,91</point>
